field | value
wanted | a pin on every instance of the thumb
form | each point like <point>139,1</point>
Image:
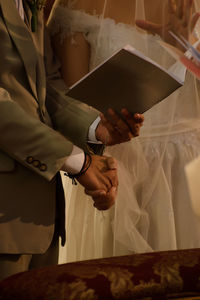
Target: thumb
<point>195,18</point>
<point>112,194</point>
<point>111,163</point>
<point>149,26</point>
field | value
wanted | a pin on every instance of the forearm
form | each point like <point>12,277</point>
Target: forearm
<point>74,56</point>
<point>71,117</point>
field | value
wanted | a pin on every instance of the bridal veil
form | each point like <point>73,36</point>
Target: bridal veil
<point>152,210</point>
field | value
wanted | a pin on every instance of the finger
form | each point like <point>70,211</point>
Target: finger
<point>117,128</point>
<point>187,14</point>
<point>105,202</point>
<point>98,179</point>
<point>136,130</point>
<point>180,8</point>
<point>103,205</point>
<point>138,118</point>
<point>105,181</point>
<point>112,194</point>
<point>122,129</point>
<point>130,120</point>
<point>95,193</point>
<point>108,176</point>
<point>102,181</point>
<point>112,177</point>
<point>108,173</point>
<point>111,163</point>
<point>194,20</point>
<point>117,121</point>
<point>139,123</point>
<point>109,198</point>
<point>107,123</point>
<point>172,6</point>
<point>149,26</point>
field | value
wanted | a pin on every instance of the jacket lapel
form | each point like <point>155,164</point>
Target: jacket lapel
<point>22,39</point>
<point>38,39</point>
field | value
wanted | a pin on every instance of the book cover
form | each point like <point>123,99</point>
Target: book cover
<point>127,79</point>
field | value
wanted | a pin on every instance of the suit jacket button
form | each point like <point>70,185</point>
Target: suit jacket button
<point>29,159</point>
<point>36,163</point>
<point>43,167</point>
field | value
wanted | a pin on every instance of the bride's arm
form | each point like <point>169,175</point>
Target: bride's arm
<point>74,55</point>
<point>73,51</point>
<point>180,20</point>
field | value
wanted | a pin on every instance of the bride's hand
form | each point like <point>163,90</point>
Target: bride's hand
<point>181,21</point>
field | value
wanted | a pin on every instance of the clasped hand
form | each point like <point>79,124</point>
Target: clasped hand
<point>100,181</point>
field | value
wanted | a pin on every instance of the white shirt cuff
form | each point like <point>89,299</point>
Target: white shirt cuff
<point>91,132</point>
<point>74,161</point>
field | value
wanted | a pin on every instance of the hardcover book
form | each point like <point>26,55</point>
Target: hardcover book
<point>127,79</point>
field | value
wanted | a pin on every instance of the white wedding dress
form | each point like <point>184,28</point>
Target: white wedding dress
<point>152,210</point>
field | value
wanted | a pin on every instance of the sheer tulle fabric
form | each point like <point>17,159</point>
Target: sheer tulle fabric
<point>152,210</point>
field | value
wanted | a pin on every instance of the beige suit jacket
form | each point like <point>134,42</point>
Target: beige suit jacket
<point>32,100</point>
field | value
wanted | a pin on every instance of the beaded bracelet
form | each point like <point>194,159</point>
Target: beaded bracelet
<point>82,171</point>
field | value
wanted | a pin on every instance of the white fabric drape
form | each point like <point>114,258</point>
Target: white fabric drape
<point>153,209</point>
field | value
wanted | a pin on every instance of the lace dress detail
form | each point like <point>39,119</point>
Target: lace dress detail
<point>153,210</point>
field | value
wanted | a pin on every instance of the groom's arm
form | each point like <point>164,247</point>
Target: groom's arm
<point>45,151</point>
<point>70,117</point>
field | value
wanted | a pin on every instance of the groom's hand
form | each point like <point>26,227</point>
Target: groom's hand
<point>114,129</point>
<point>100,181</point>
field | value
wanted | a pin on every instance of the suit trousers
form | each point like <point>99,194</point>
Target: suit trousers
<point>11,264</point>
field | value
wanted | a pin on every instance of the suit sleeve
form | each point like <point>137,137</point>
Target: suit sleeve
<point>70,117</point>
<point>29,141</point>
